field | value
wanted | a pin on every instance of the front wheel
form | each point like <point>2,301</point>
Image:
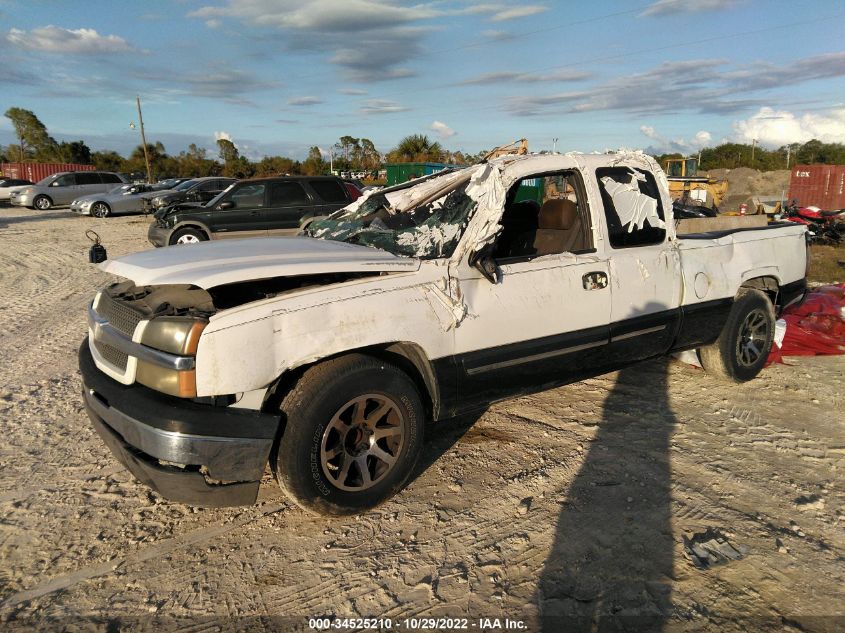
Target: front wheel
<point>188,236</point>
<point>100,210</point>
<point>354,430</point>
<point>42,203</point>
<point>743,347</point>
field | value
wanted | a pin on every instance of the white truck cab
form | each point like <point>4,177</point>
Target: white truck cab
<point>325,353</point>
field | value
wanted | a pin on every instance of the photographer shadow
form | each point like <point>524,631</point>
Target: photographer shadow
<point>611,565</point>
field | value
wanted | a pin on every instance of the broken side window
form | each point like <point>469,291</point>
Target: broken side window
<point>429,230</point>
<point>631,206</point>
<point>544,214</point>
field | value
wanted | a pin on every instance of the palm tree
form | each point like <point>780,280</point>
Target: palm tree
<point>416,148</point>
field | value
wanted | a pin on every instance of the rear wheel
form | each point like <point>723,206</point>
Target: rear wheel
<point>42,203</point>
<point>188,236</point>
<point>742,348</point>
<point>100,210</point>
<point>354,430</point>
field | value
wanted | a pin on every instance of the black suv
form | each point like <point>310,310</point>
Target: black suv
<point>251,208</point>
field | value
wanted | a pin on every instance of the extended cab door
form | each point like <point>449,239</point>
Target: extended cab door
<point>545,321</point>
<point>287,203</point>
<point>644,264</point>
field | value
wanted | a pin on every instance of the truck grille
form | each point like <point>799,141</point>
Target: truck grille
<point>111,355</point>
<point>121,316</point>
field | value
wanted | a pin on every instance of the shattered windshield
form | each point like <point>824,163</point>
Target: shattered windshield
<point>424,221</point>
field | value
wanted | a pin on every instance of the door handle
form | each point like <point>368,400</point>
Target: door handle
<point>254,212</point>
<point>594,281</point>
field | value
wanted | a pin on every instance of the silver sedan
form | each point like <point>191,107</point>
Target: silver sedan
<point>122,199</point>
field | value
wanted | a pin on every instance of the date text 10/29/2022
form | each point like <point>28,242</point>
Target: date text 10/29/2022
<point>490,625</point>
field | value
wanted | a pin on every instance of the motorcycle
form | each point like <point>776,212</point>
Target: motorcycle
<point>823,227</point>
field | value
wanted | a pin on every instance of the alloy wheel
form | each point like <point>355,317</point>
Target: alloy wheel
<point>752,338</point>
<point>362,442</point>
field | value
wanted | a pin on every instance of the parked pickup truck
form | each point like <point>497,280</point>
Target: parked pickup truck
<point>326,353</point>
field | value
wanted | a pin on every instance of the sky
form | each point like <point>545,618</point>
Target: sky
<point>279,76</point>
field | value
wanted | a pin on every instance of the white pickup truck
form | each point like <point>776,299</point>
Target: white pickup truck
<point>326,353</point>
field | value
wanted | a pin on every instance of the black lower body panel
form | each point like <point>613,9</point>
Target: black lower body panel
<point>188,452</point>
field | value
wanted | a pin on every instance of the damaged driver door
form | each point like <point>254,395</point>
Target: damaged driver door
<point>542,319</point>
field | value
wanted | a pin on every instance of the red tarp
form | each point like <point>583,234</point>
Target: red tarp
<point>816,327</point>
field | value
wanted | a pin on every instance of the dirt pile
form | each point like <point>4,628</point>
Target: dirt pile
<point>745,183</point>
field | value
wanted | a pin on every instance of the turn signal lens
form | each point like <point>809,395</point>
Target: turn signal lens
<point>182,384</point>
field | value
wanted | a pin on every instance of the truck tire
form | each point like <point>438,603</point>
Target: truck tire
<point>188,236</point>
<point>353,433</point>
<point>742,348</point>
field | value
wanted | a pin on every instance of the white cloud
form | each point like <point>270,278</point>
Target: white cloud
<point>442,130</point>
<point>54,39</point>
<point>352,91</point>
<point>517,12</point>
<point>663,145</point>
<point>381,106</point>
<point>371,39</point>
<point>708,86</point>
<point>214,23</point>
<point>649,131</point>
<point>513,76</point>
<point>304,101</point>
<point>702,138</point>
<point>669,7</point>
<point>775,128</point>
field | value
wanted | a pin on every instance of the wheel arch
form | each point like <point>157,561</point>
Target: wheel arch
<point>407,356</point>
<point>768,284</point>
<point>191,224</point>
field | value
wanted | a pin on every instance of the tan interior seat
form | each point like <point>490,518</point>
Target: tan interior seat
<point>559,228</point>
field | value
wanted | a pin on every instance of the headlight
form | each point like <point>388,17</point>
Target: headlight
<point>86,203</point>
<point>177,335</point>
<point>28,190</point>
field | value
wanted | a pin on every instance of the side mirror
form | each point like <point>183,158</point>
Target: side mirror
<point>483,261</point>
<point>225,205</point>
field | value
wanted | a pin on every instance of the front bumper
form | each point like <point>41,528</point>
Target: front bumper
<point>78,208</point>
<point>21,199</point>
<point>158,235</point>
<point>187,452</point>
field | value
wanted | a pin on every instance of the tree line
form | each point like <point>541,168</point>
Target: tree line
<point>347,154</point>
<point>733,155</point>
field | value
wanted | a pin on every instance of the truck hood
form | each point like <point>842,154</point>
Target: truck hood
<point>211,264</point>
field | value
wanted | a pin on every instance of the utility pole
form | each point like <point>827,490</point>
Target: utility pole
<point>144,141</point>
<point>753,145</point>
<point>788,151</point>
<point>554,144</point>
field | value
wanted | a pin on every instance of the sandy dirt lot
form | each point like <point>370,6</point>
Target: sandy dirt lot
<point>556,509</point>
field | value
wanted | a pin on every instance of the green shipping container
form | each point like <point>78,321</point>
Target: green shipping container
<point>530,189</point>
<point>398,173</point>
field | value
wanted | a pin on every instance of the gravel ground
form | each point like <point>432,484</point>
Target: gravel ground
<point>557,509</point>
